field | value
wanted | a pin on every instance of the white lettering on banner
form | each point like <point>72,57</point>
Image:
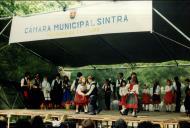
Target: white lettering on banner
<point>76,25</point>
<point>112,17</point>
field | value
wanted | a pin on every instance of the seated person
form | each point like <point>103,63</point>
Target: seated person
<point>120,123</point>
<point>88,123</point>
<point>145,124</point>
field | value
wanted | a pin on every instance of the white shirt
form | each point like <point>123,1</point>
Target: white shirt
<point>123,91</point>
<point>118,82</point>
<point>46,86</point>
<point>174,86</point>
<point>158,90</point>
<point>111,86</point>
<point>73,85</point>
<point>168,88</point>
<point>53,82</point>
<point>90,88</point>
<point>134,90</point>
<point>146,91</point>
<point>22,82</point>
<point>80,89</point>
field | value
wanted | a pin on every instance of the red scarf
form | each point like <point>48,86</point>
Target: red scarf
<point>131,86</point>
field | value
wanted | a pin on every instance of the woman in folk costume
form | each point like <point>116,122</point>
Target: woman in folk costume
<point>108,89</point>
<point>80,98</point>
<point>146,98</point>
<point>56,91</point>
<point>169,96</point>
<point>132,95</point>
<point>25,89</point>
<point>187,97</point>
<point>46,88</point>
<point>123,93</point>
<point>67,93</point>
<point>156,96</point>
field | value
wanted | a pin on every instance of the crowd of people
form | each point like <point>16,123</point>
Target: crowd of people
<point>83,92</point>
<point>39,122</point>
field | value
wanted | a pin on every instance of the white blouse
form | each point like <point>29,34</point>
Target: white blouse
<point>81,89</point>
<point>146,91</point>
<point>134,90</point>
<point>168,88</point>
<point>158,90</point>
<point>123,91</point>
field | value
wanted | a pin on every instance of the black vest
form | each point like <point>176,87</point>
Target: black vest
<point>95,90</point>
<point>25,82</point>
<point>37,83</point>
<point>57,86</point>
<point>76,83</point>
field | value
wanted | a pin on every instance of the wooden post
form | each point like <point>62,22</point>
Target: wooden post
<point>8,122</point>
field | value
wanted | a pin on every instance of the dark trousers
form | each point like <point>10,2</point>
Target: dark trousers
<point>117,92</point>
<point>92,104</point>
<point>26,96</point>
<point>107,101</point>
<point>178,103</point>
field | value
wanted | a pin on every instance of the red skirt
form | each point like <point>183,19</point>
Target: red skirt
<point>168,98</point>
<point>132,101</point>
<point>146,98</point>
<point>123,100</point>
<point>80,100</point>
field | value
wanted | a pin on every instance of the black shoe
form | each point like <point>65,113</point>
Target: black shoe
<point>121,112</point>
<point>125,112</point>
<point>77,112</point>
<point>91,113</point>
<point>98,111</point>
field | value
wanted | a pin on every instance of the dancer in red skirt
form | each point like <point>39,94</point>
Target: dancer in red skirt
<point>80,98</point>
<point>123,92</point>
<point>146,98</point>
<point>169,95</point>
<point>132,95</point>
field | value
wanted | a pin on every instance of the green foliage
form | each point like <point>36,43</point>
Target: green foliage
<point>145,75</point>
<point>18,7</point>
<point>15,61</point>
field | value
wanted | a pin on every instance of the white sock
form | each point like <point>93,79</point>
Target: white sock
<point>170,108</point>
<point>122,110</point>
<point>146,107</point>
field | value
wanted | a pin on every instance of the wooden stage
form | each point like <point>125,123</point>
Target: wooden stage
<point>164,119</point>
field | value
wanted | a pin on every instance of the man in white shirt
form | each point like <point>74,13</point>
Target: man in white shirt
<point>75,82</point>
<point>25,87</point>
<point>118,82</point>
<point>92,93</point>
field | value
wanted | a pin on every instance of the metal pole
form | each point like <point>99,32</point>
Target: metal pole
<point>8,122</point>
<point>171,24</point>
<point>5,27</point>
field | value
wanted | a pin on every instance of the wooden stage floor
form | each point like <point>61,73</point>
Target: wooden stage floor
<point>161,118</point>
<point>112,115</point>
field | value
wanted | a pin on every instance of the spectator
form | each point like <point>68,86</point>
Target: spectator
<point>88,123</point>
<point>184,124</point>
<point>37,122</point>
<point>3,122</point>
<point>120,123</point>
<point>145,124</point>
<point>23,123</point>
